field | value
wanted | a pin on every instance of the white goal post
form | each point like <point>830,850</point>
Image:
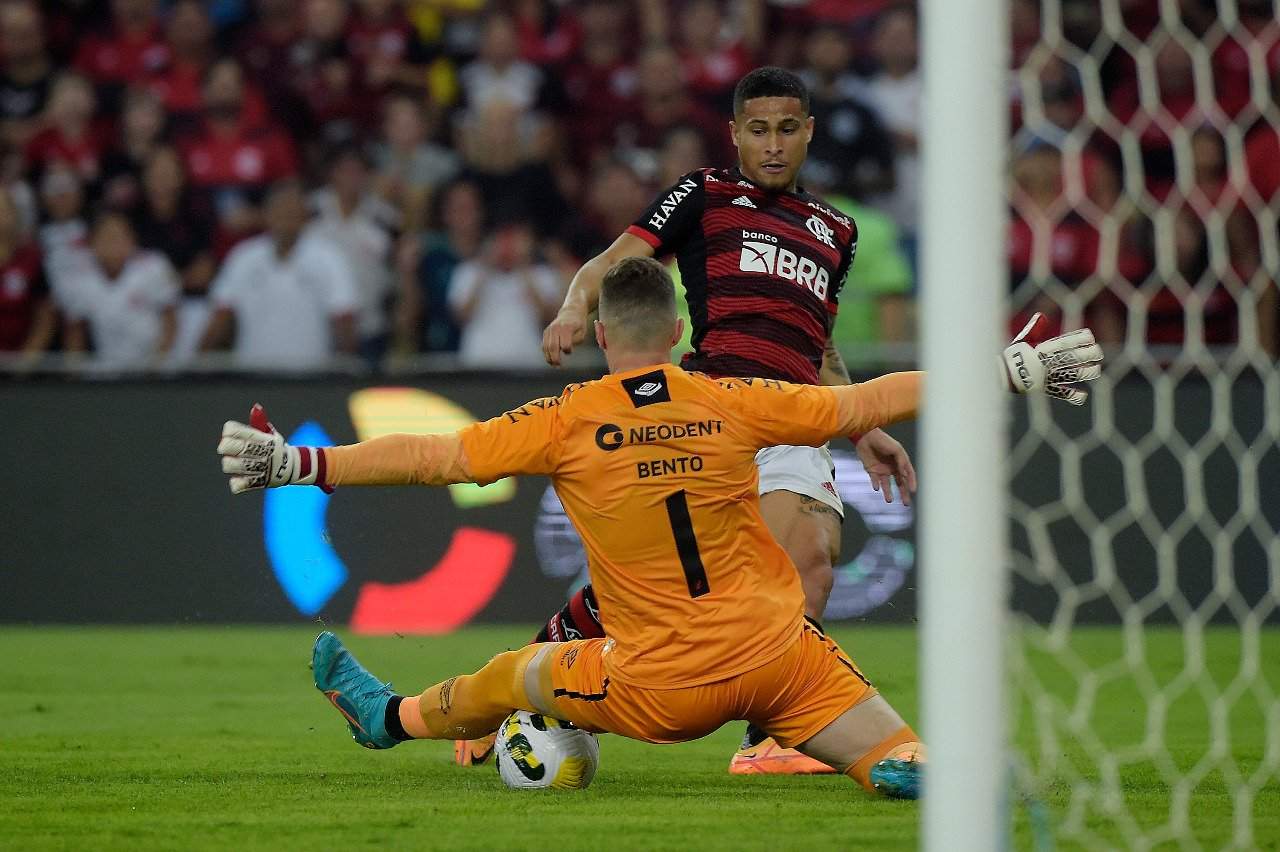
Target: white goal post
<point>964,526</point>
<point>1100,587</point>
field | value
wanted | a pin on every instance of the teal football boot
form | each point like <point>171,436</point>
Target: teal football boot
<point>897,779</point>
<point>359,696</point>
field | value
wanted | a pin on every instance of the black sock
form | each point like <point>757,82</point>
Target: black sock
<point>754,736</point>
<point>392,719</point>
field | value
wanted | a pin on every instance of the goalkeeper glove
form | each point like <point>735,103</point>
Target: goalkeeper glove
<point>256,456</point>
<point>1054,366</point>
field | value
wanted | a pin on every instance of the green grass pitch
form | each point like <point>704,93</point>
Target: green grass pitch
<point>168,738</point>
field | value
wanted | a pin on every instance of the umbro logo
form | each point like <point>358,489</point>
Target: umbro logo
<point>743,201</point>
<point>647,389</point>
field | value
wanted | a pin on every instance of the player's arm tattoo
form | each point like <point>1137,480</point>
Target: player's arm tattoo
<point>833,370</point>
<point>817,507</point>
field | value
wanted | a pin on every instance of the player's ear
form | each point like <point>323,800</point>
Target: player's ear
<point>808,129</point>
<point>600,341</point>
<point>733,132</point>
<point>679,331</point>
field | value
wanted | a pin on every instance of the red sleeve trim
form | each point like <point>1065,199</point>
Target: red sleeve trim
<point>322,468</point>
<point>637,231</point>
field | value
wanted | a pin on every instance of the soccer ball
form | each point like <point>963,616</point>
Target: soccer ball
<point>536,751</point>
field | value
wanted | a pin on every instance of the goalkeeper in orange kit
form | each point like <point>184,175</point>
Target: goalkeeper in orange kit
<point>703,609</point>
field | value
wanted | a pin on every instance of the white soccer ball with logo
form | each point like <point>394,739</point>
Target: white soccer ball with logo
<point>536,751</point>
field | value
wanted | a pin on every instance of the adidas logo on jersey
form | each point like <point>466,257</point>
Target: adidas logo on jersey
<point>775,260</point>
<point>743,201</point>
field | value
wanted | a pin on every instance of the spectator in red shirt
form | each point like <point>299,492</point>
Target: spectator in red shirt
<point>599,82</point>
<point>1262,156</point>
<point>1214,191</point>
<point>664,103</point>
<point>1175,79</point>
<point>548,35</point>
<point>130,50</point>
<point>71,137</point>
<point>266,50</point>
<point>339,109</point>
<point>1047,241</point>
<point>1167,309</point>
<point>27,316</point>
<point>1231,76</point>
<point>27,72</point>
<point>713,62</point>
<point>190,37</point>
<point>385,46</point>
<point>235,158</point>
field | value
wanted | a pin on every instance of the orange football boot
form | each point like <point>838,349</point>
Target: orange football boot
<point>474,752</point>
<point>768,758</point>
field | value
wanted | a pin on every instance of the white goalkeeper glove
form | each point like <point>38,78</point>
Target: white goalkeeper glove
<point>256,456</point>
<point>1054,366</point>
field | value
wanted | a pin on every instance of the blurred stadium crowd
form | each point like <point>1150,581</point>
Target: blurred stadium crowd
<point>286,180</point>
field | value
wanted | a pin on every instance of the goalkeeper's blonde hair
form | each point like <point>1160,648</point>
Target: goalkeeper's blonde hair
<point>638,303</point>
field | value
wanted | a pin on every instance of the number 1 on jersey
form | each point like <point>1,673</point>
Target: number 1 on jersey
<point>695,575</point>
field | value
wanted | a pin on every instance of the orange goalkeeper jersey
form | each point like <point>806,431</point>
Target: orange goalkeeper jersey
<point>656,469</point>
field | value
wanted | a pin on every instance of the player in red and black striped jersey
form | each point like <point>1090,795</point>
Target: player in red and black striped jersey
<point>762,270</point>
<point>762,262</point>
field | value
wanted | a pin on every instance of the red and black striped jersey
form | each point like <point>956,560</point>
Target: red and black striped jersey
<point>762,272</point>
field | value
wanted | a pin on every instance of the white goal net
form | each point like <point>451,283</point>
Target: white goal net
<point>1145,649</point>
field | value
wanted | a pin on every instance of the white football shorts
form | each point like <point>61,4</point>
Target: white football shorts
<point>809,471</point>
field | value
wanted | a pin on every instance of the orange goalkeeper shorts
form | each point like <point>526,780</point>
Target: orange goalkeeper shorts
<point>792,697</point>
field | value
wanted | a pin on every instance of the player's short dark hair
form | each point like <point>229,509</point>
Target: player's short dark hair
<point>638,301</point>
<point>769,82</point>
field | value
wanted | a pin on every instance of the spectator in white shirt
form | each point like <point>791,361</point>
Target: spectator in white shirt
<point>503,299</point>
<point>498,73</point>
<point>120,298</point>
<point>895,93</point>
<point>64,233</point>
<point>287,298</point>
<point>410,166</point>
<point>359,224</point>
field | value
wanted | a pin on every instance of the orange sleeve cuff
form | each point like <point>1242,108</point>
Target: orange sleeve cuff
<point>879,402</point>
<point>398,460</point>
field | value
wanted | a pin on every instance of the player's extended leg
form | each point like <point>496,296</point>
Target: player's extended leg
<point>872,745</point>
<point>462,706</point>
<point>579,618</point>
<point>809,530</point>
<point>816,699</point>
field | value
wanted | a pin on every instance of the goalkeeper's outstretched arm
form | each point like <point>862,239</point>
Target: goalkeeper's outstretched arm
<point>255,455</point>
